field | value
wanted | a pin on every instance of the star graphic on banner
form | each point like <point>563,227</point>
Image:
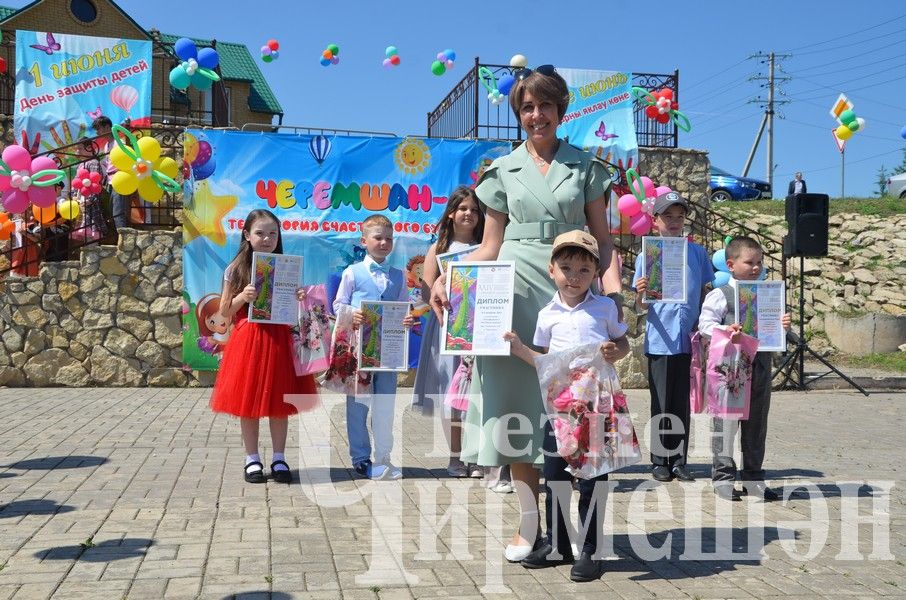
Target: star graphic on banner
<point>205,219</point>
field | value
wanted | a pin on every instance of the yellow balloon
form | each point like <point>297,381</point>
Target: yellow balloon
<point>120,160</point>
<point>843,132</point>
<point>69,209</point>
<point>168,167</point>
<point>124,182</point>
<point>149,190</point>
<point>44,215</point>
<point>150,148</point>
<point>189,148</point>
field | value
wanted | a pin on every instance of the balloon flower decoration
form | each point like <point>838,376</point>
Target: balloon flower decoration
<point>6,227</point>
<point>197,66</point>
<point>198,158</point>
<point>662,107</point>
<point>23,180</point>
<point>141,167</point>
<point>444,61</point>
<point>269,51</point>
<point>849,124</point>
<point>639,204</point>
<point>722,273</point>
<point>330,56</point>
<point>487,79</point>
<point>393,57</point>
<point>87,183</point>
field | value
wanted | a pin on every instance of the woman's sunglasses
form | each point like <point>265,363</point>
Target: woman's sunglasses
<point>547,70</point>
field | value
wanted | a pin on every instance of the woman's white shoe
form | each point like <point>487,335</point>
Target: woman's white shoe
<point>516,553</point>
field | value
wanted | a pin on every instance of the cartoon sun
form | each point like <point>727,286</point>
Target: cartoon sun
<point>412,156</point>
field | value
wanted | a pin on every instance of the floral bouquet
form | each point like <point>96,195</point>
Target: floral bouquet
<point>311,343</point>
<point>343,374</point>
<point>729,376</point>
<point>588,412</point>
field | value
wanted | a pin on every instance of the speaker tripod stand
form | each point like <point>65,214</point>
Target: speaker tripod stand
<point>793,364</point>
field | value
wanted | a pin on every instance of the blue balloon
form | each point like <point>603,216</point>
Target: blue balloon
<point>506,84</point>
<point>450,54</point>
<point>207,58</point>
<point>721,278</point>
<point>903,132</point>
<point>204,171</point>
<point>719,260</point>
<point>185,49</point>
<point>325,62</point>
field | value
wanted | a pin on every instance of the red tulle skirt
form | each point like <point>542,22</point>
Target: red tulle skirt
<point>256,371</point>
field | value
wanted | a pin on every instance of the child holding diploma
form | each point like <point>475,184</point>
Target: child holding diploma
<point>373,279</point>
<point>745,261</point>
<point>668,347</point>
<point>257,366</point>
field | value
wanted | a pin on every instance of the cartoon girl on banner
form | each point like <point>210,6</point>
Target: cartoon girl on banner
<point>213,329</point>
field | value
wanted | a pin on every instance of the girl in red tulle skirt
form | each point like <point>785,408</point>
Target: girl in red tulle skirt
<point>257,367</point>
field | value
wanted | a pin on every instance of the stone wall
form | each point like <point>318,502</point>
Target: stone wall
<point>113,318</point>
<point>684,170</point>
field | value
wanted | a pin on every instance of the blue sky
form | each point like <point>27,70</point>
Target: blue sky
<point>855,48</point>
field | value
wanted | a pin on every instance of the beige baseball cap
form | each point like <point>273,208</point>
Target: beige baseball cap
<point>579,239</point>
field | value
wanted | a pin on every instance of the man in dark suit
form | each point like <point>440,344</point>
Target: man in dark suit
<point>797,186</point>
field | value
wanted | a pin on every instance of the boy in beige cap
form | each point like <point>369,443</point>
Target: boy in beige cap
<point>575,316</point>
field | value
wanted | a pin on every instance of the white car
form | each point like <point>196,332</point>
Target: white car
<point>896,186</point>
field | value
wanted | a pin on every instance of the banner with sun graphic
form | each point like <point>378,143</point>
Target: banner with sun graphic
<point>320,188</point>
<point>66,81</point>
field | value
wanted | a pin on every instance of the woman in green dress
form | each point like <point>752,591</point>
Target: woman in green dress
<point>543,188</point>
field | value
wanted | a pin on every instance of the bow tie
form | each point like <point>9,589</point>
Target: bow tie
<point>375,267</point>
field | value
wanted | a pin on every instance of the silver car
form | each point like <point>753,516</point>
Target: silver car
<point>896,186</point>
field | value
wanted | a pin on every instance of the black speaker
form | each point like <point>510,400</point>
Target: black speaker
<point>806,218</point>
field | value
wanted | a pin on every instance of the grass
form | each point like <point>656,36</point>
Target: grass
<point>269,579</point>
<point>894,361</point>
<point>89,543</point>
<point>882,207</point>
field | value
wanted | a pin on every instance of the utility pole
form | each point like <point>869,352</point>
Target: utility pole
<point>768,119</point>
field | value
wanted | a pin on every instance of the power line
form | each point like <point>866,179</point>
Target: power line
<point>837,87</point>
<point>837,166</point>
<point>868,118</point>
<point>710,77</point>
<point>839,37</point>
<point>831,128</point>
<point>834,62</point>
<point>845,69</point>
<point>724,126</point>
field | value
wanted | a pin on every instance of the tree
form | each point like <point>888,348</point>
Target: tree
<point>902,166</point>
<point>881,181</point>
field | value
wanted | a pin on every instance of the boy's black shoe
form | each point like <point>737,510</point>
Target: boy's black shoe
<point>760,490</point>
<point>726,491</point>
<point>363,469</point>
<point>540,557</point>
<point>586,568</point>
<point>680,472</point>
<point>661,473</point>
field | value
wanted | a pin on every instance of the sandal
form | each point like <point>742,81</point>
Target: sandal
<point>255,475</point>
<point>282,475</point>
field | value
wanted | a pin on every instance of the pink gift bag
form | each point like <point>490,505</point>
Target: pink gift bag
<point>729,376</point>
<point>311,345</point>
<point>697,373</point>
<point>457,395</point>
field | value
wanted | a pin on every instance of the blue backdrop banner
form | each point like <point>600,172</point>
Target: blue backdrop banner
<point>320,188</point>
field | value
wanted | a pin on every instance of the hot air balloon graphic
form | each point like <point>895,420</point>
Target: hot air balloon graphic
<point>124,96</point>
<point>319,146</point>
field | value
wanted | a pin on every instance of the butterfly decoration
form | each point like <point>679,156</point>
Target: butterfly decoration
<point>96,114</point>
<point>602,133</point>
<point>51,47</point>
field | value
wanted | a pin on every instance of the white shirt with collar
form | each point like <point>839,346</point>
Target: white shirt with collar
<point>594,320</point>
<point>714,309</point>
<point>380,277</point>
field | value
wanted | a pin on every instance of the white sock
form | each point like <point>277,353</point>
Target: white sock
<point>279,456</point>
<point>250,458</point>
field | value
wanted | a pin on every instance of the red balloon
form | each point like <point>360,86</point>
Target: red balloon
<point>395,59</point>
<point>2,65</point>
<point>651,111</point>
<point>273,44</point>
<point>667,93</point>
<point>662,118</point>
<point>204,154</point>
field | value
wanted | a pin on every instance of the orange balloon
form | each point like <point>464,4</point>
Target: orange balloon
<point>44,215</point>
<point>6,227</point>
<point>327,54</point>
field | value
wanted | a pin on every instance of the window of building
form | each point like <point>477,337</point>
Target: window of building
<point>84,10</point>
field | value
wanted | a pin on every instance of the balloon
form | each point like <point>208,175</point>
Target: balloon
<point>268,58</point>
<point>506,84</point>
<point>628,205</point>
<point>853,125</point>
<point>44,215</point>
<point>518,61</point>
<point>763,274</point>
<point>441,57</point>
<point>203,171</point>
<point>273,44</point>
<point>861,123</point>
<point>651,111</point>
<point>6,227</point>
<point>903,132</point>
<point>69,209</point>
<point>179,78</point>
<point>449,64</point>
<point>265,51</point>
<point>386,63</point>
<point>390,51</point>
<point>449,54</point>
<point>721,278</point>
<point>319,147</point>
<point>204,154</point>
<point>17,157</point>
<point>124,96</point>
<point>719,260</point>
<point>150,148</point>
<point>23,180</point>
<point>275,55</point>
<point>324,62</point>
<point>847,117</point>
<point>649,187</point>
<point>327,54</point>
<point>335,60</point>
<point>640,224</point>
<point>843,132</point>
<point>208,58</point>
<point>15,201</point>
<point>2,65</point>
<point>185,49</point>
<point>661,190</point>
<point>394,60</point>
<point>334,49</point>
<point>438,68</point>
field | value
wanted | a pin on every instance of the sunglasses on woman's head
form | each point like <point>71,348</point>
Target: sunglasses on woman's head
<point>547,70</point>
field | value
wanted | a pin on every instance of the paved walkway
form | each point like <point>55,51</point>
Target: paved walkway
<point>137,493</point>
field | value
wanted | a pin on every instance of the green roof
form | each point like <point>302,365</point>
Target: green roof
<point>237,64</point>
<point>6,11</point>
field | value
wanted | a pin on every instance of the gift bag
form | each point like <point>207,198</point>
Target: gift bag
<point>311,344</point>
<point>460,385</point>
<point>342,374</point>
<point>697,373</point>
<point>729,375</point>
<point>588,411</point>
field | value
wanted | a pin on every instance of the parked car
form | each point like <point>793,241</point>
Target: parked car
<point>896,186</point>
<point>725,186</point>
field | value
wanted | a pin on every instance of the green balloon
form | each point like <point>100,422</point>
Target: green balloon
<point>267,58</point>
<point>334,49</point>
<point>438,68</point>
<point>853,125</point>
<point>847,116</point>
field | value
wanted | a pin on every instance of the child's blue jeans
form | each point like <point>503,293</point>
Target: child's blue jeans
<point>381,403</point>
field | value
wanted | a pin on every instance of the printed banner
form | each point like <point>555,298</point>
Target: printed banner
<point>600,119</point>
<point>65,81</point>
<point>320,188</point>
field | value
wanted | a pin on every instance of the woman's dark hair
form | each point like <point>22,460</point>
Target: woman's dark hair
<point>445,226</point>
<point>101,121</point>
<point>241,267</point>
<point>543,88</point>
